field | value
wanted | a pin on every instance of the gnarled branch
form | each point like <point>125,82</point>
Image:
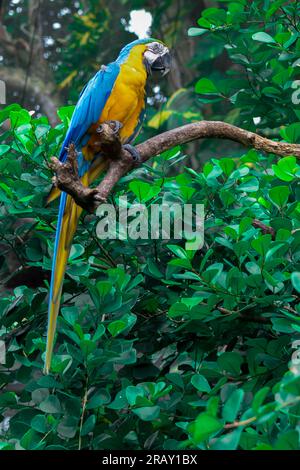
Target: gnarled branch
<point>119,162</point>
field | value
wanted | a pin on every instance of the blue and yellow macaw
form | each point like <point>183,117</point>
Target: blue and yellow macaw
<point>115,93</point>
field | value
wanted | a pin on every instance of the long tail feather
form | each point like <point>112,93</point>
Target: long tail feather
<point>68,216</point>
<point>54,193</point>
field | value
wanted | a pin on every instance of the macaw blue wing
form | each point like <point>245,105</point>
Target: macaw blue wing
<point>90,106</point>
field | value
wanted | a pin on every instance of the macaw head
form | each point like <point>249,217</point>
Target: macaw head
<point>157,58</point>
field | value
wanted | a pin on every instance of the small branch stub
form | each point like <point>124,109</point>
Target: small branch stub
<point>67,179</point>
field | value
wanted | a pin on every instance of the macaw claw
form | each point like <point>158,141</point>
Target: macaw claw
<point>133,152</point>
<point>116,124</point>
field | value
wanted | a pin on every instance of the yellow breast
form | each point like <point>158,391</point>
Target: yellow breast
<point>126,100</point>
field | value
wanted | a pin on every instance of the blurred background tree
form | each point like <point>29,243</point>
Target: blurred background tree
<point>50,50</point>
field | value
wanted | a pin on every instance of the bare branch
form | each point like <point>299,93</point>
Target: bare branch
<point>119,161</point>
<point>213,129</point>
<point>266,229</point>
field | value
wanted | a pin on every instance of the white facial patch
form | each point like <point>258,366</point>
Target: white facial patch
<point>154,50</point>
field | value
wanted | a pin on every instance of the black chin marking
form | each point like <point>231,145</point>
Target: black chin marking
<point>158,69</point>
<point>148,67</point>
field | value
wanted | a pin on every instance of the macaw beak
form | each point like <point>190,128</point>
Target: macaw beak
<point>162,63</point>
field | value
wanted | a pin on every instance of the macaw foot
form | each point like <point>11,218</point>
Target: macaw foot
<point>133,152</point>
<point>117,125</point>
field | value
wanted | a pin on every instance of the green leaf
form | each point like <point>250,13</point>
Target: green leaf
<point>196,31</point>
<point>87,346</point>
<point>116,327</point>
<point>227,165</point>
<point>263,37</point>
<point>232,405</point>
<point>295,278</point>
<point>6,446</point>
<point>235,281</point>
<point>285,168</point>
<point>68,426</point>
<point>56,447</point>
<point>8,399</point>
<point>88,425</point>
<point>104,288</point>
<point>203,427</point>
<point>65,113</point>
<point>144,191</point>
<point>178,309</point>
<point>101,397</point>
<point>39,423</point>
<point>282,325</point>
<point>133,392</point>
<point>259,398</point>
<point>270,91</point>
<point>288,441</point>
<point>205,86</point>
<point>229,441</point>
<point>70,314</point>
<point>178,251</point>
<point>261,244</point>
<point>249,185</point>
<point>18,118</point>
<point>30,440</point>
<point>147,413</point>
<point>291,133</point>
<point>230,362</point>
<point>282,175</point>
<point>279,195</point>
<point>76,251</point>
<point>51,405</point>
<point>200,383</point>
<point>119,402</point>
<point>99,332</point>
<point>4,113</point>
<point>4,149</point>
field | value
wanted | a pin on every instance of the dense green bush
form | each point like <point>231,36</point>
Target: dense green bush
<point>159,347</point>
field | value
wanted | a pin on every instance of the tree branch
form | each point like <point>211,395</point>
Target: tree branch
<point>118,161</point>
<point>266,229</point>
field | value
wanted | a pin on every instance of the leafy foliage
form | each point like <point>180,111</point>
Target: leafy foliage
<point>261,39</point>
<point>160,347</point>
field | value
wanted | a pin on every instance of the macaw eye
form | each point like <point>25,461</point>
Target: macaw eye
<point>155,47</point>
